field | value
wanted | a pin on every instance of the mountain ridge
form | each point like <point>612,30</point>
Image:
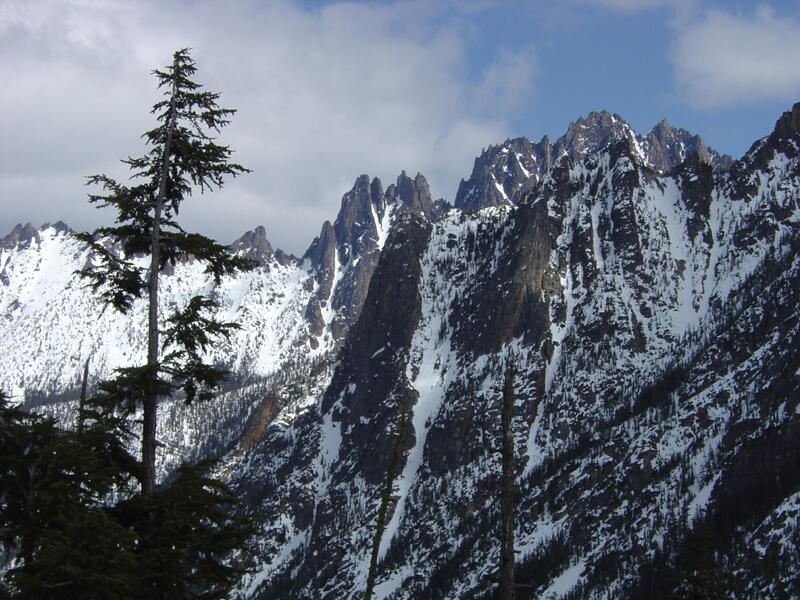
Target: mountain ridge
<point>504,172</point>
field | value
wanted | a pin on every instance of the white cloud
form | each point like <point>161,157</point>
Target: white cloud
<point>508,82</point>
<point>637,5</point>
<point>725,60</point>
<point>323,95</point>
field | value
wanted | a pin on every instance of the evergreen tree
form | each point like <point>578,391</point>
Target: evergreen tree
<point>62,536</point>
<point>56,535</point>
<point>182,156</point>
<point>380,526</point>
<point>72,523</point>
<point>699,575</point>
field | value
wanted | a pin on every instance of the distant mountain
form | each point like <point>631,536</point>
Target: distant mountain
<point>646,292</point>
<point>52,324</point>
<point>503,174</point>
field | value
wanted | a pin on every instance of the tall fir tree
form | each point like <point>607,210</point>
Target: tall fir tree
<point>176,539</point>
<point>182,156</point>
<point>72,524</point>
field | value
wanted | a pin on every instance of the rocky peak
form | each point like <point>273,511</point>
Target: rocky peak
<point>415,194</point>
<point>357,223</point>
<point>505,173</point>
<point>784,139</point>
<point>666,147</point>
<point>595,132</point>
<point>501,171</point>
<point>786,136</point>
<point>346,253</point>
<point>21,235</point>
<point>58,226</point>
<point>254,245</point>
<point>788,125</point>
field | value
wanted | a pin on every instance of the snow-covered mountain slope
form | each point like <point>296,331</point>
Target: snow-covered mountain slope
<point>52,323</point>
<point>287,308</point>
<point>651,321</point>
<point>293,315</point>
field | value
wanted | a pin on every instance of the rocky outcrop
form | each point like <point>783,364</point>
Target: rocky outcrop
<point>504,174</point>
<point>21,235</point>
<point>500,172</point>
<point>345,255</point>
<point>255,246</point>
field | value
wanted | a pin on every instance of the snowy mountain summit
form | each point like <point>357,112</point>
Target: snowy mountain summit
<point>645,291</point>
<point>504,174</point>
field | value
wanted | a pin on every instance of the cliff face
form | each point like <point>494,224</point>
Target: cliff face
<point>647,297</point>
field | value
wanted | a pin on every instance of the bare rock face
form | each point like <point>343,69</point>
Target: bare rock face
<point>415,195</point>
<point>21,235</point>
<point>592,133</point>
<point>322,254</point>
<point>788,126</point>
<point>696,176</point>
<point>668,146</point>
<point>500,172</point>
<point>254,245</point>
<point>345,255</point>
<point>373,357</point>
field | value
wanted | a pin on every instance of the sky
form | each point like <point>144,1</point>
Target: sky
<point>326,91</point>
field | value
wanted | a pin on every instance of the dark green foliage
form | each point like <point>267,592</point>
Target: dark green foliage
<point>189,333</point>
<point>182,155</point>
<point>184,534</point>
<point>53,520</point>
<point>118,283</point>
<point>700,576</point>
<point>70,541</point>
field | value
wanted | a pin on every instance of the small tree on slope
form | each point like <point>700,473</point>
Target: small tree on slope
<point>183,155</point>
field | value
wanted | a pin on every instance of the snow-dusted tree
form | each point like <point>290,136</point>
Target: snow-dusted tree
<point>183,156</point>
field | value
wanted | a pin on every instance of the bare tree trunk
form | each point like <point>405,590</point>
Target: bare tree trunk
<point>150,401</point>
<point>507,591</point>
<point>381,525</point>
<point>82,400</point>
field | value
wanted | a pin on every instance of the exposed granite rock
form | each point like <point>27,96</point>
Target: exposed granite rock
<point>348,251</point>
<point>697,185</point>
<point>505,173</point>
<point>254,245</point>
<point>501,171</point>
<point>415,194</point>
<point>21,235</point>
